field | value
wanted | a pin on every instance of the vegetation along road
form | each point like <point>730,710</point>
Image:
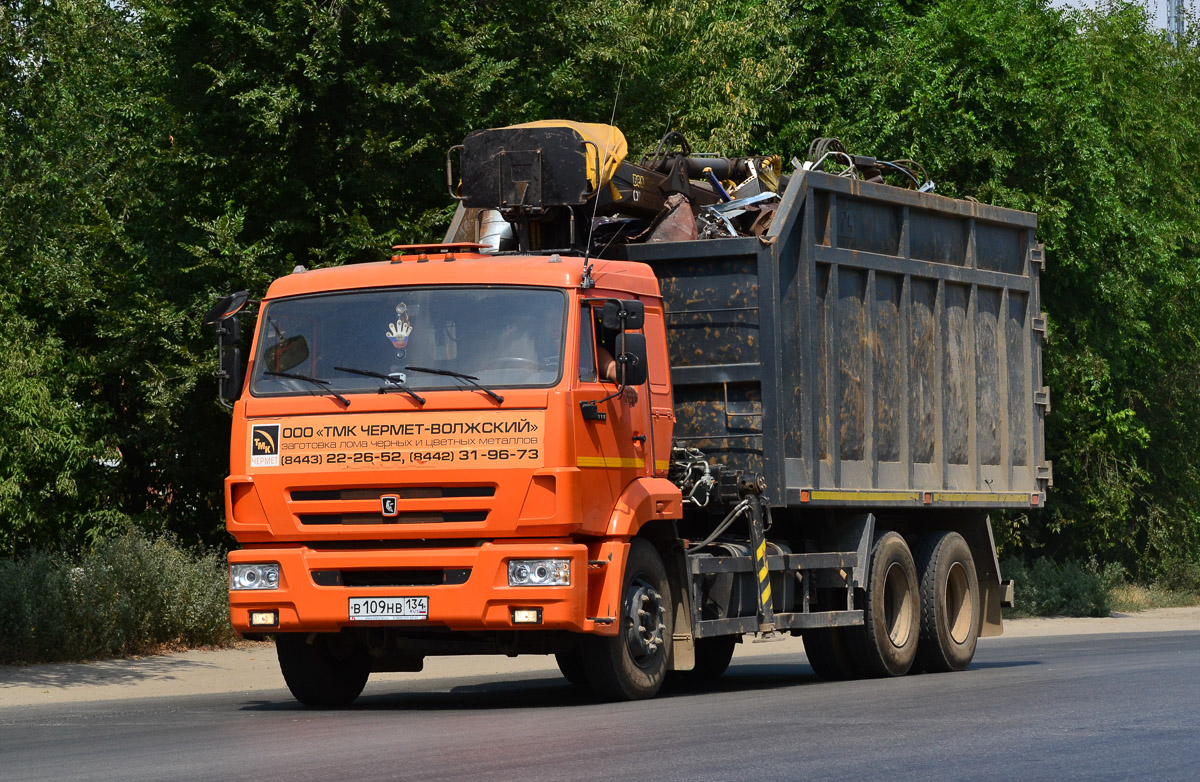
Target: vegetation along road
<point>1070,698</point>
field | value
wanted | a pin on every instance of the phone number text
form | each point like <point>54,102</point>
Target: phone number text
<point>413,457</point>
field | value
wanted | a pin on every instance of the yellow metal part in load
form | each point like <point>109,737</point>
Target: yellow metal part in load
<point>608,139</point>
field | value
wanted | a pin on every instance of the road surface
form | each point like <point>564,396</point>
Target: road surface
<point>1067,699</point>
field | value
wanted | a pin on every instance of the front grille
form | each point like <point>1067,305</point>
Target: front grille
<point>391,578</point>
<point>413,505</point>
<point>403,518</point>
<point>404,493</point>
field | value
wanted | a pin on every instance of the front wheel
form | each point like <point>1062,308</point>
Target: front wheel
<point>632,664</point>
<point>323,670</point>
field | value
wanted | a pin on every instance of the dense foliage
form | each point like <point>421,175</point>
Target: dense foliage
<point>154,154</point>
<point>129,594</point>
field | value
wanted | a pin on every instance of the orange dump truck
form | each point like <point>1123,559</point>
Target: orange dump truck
<point>632,413</point>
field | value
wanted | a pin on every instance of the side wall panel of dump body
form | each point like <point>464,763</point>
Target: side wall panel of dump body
<point>882,348</point>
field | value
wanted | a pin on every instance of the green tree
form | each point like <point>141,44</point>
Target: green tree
<point>156,154</point>
<point>1089,119</point>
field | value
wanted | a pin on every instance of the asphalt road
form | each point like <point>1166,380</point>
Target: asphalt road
<point>1090,707</point>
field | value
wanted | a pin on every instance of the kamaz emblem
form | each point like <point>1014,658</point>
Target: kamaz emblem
<point>390,505</point>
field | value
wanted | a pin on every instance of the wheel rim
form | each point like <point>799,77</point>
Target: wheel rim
<point>960,608</point>
<point>897,602</point>
<point>644,623</point>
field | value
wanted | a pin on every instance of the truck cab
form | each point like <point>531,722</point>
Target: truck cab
<point>429,445</point>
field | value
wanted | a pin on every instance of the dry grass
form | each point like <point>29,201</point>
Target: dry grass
<point>1131,598</point>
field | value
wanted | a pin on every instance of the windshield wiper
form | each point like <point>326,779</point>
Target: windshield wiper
<point>395,381</point>
<point>316,381</point>
<point>469,378</point>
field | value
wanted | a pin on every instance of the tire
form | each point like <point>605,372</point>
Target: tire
<point>713,656</point>
<point>570,663</point>
<point>950,610</point>
<point>886,643</point>
<point>328,673</point>
<point>828,654</point>
<point>633,664</point>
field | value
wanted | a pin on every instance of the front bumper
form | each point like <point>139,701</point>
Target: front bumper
<point>483,601</point>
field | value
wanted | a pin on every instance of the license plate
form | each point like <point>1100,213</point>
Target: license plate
<point>376,609</point>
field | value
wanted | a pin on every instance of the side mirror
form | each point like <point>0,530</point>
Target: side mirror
<point>229,331</point>
<point>231,374</point>
<point>226,307</point>
<point>288,353</point>
<point>621,314</point>
<point>631,359</point>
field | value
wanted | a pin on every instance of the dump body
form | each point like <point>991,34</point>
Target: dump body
<point>881,348</point>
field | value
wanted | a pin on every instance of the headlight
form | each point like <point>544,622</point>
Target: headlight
<point>539,572</point>
<point>265,576</point>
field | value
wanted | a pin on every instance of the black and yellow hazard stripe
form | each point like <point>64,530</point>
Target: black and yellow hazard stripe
<point>764,575</point>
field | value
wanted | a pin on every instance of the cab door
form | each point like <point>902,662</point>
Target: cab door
<point>662,406</point>
<point>612,431</point>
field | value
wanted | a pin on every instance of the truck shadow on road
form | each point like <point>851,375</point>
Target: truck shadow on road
<point>497,693</point>
<point>545,692</point>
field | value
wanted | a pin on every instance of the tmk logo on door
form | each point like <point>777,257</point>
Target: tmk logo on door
<point>390,505</point>
<point>264,445</point>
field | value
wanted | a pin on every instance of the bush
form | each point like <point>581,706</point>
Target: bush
<point>1049,589</point>
<point>1179,575</point>
<point>126,595</point>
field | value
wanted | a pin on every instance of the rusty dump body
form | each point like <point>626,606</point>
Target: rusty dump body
<point>759,404</point>
<point>882,348</point>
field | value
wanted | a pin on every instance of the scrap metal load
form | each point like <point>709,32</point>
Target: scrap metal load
<point>559,185</point>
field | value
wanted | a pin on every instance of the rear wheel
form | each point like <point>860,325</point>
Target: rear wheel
<point>713,656</point>
<point>828,654</point>
<point>886,644</point>
<point>950,611</point>
<point>323,670</point>
<point>632,664</point>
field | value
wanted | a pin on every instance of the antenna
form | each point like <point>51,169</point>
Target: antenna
<point>587,281</point>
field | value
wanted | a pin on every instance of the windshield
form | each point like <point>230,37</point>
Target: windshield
<point>503,337</point>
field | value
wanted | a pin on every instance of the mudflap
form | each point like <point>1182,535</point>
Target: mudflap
<point>994,592</point>
<point>683,642</point>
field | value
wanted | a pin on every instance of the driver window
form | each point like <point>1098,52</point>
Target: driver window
<point>587,345</point>
<point>597,346</point>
